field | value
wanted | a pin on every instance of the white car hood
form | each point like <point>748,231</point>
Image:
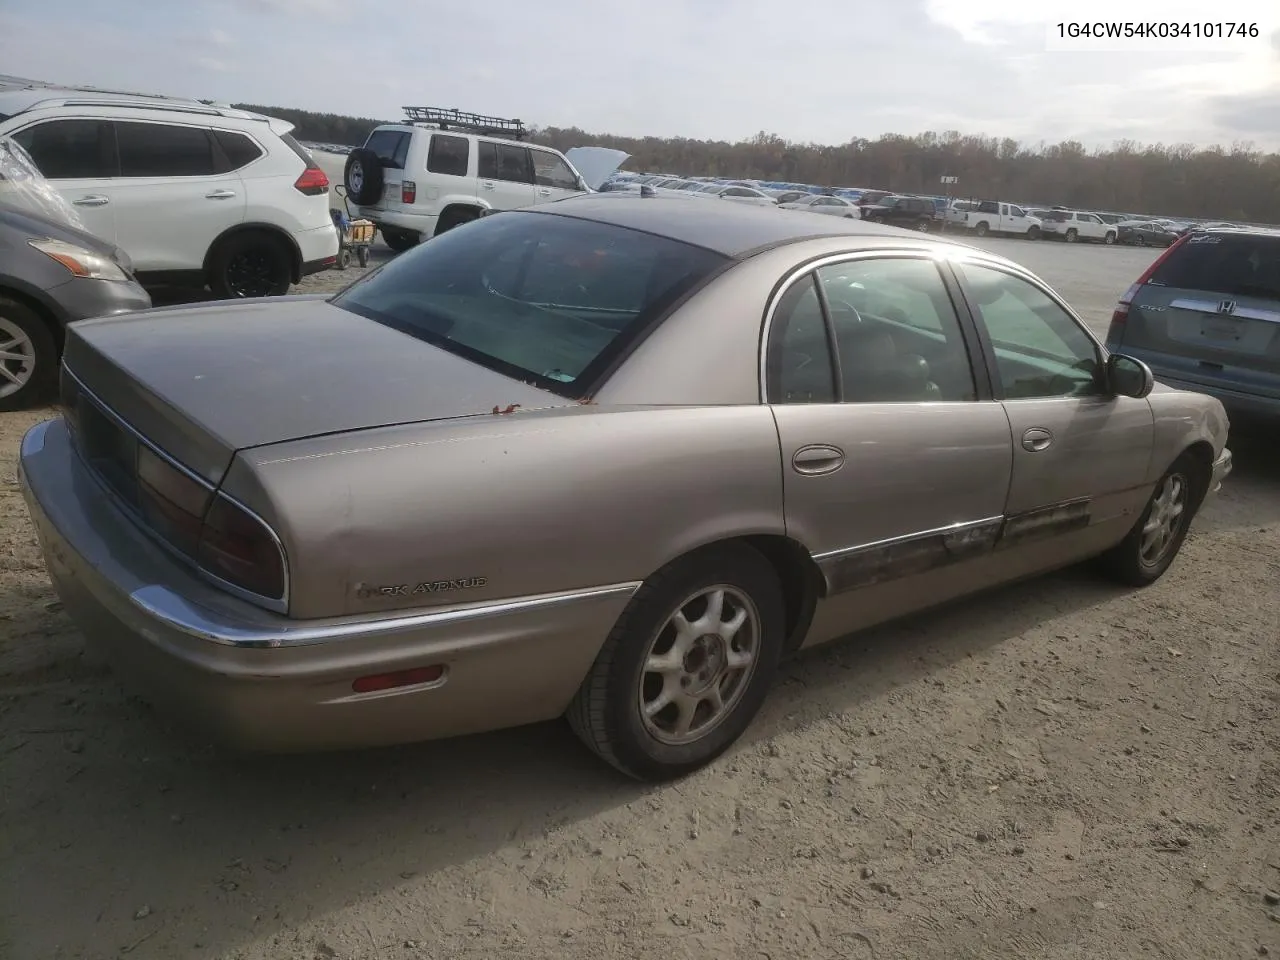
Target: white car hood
<point>596,164</point>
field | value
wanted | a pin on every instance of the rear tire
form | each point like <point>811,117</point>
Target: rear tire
<point>400,240</point>
<point>982,229</point>
<point>455,218</point>
<point>922,226</point>
<point>29,372</point>
<point>362,256</point>
<point>1072,235</point>
<point>1149,549</point>
<point>251,264</point>
<point>646,660</point>
<point>344,259</point>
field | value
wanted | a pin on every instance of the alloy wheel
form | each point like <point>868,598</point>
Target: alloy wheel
<point>17,358</point>
<point>699,665</point>
<point>1164,518</point>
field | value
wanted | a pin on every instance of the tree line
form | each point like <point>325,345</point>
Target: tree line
<point>1236,182</point>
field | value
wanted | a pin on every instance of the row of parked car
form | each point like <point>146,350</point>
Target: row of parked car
<point>930,212</point>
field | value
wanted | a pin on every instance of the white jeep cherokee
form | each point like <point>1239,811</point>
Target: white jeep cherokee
<point>441,168</point>
<point>193,192</point>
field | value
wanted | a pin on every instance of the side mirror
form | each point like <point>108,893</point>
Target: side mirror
<point>1128,377</point>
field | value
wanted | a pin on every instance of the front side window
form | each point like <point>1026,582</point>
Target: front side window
<point>542,298</point>
<point>550,171</point>
<point>1040,349</point>
<point>164,150</point>
<point>71,149</point>
<point>448,155</point>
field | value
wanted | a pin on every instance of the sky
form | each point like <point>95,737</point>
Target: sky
<point>820,71</point>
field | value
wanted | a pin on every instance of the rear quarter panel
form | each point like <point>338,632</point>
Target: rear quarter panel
<point>530,502</point>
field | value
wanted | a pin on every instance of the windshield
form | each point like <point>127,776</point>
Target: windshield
<point>547,299</point>
<point>22,186</point>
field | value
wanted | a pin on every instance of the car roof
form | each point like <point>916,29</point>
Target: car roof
<point>18,97</point>
<point>730,229</point>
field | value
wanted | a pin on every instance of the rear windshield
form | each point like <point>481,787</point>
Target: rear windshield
<point>1238,266</point>
<point>391,147</point>
<point>547,299</point>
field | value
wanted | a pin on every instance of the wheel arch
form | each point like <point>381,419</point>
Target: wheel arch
<point>1201,453</point>
<point>798,575</point>
<point>459,206</point>
<point>49,312</point>
<point>295,252</point>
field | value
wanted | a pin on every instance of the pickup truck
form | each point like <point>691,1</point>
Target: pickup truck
<point>994,216</point>
<point>1074,225</point>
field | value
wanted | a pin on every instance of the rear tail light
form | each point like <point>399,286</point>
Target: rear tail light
<point>312,182</point>
<point>172,503</point>
<point>236,546</point>
<point>400,678</point>
<point>408,192</point>
<point>1119,316</point>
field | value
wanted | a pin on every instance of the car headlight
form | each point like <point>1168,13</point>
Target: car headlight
<point>81,262</point>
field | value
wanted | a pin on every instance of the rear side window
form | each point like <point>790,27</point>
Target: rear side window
<point>237,150</point>
<point>390,146</point>
<point>448,155</point>
<point>1237,266</point>
<point>546,299</point>
<point>503,161</point>
<point>71,149</point>
<point>164,150</point>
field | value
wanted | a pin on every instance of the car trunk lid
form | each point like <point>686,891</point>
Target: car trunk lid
<point>204,381</point>
<point>1212,306</point>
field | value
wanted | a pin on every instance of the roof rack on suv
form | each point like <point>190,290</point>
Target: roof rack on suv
<point>446,118</point>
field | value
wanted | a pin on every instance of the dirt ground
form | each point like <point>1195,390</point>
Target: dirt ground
<point>1059,769</point>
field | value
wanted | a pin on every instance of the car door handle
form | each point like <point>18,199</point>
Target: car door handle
<point>1036,439</point>
<point>487,184</point>
<point>92,200</point>
<point>817,459</point>
<point>544,192</point>
<point>220,195</point>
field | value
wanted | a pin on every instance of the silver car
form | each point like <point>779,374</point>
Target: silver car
<point>610,458</point>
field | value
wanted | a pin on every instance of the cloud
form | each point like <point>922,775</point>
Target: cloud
<point>813,70</point>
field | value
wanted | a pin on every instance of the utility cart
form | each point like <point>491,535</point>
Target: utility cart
<point>354,235</point>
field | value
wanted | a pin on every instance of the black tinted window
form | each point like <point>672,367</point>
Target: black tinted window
<point>70,149</point>
<point>238,150</point>
<point>1237,266</point>
<point>448,155</point>
<point>542,298</point>
<point>504,161</point>
<point>390,146</point>
<point>164,150</point>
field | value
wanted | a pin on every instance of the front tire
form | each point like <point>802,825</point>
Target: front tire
<point>686,667</point>
<point>1109,239</point>
<point>1142,557</point>
<point>922,226</point>
<point>1033,232</point>
<point>28,356</point>
<point>251,265</point>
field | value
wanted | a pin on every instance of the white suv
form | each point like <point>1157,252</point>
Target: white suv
<point>442,168</point>
<point>195,193</point>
